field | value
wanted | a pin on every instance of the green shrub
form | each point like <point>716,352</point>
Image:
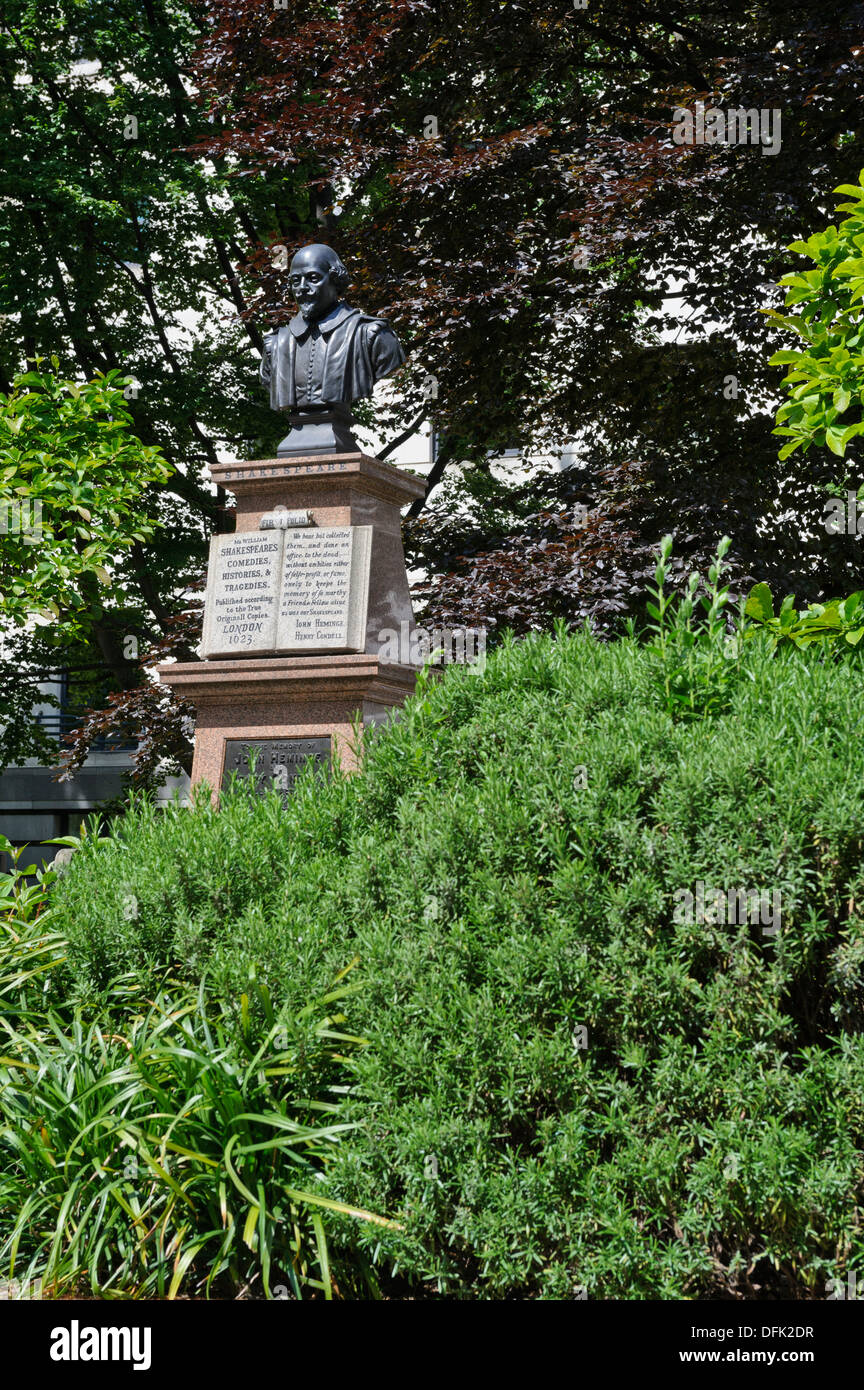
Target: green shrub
<point>30,950</point>
<point>836,626</point>
<point>149,1151</point>
<point>568,1084</point>
<point>825,378</point>
<point>692,652</point>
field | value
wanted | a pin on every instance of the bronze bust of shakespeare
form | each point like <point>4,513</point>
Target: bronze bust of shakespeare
<point>327,356</point>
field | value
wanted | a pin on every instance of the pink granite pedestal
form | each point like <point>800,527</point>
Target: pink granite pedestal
<point>309,696</point>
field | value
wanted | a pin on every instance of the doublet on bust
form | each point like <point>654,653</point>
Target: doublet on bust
<point>338,358</point>
<point>307,366</point>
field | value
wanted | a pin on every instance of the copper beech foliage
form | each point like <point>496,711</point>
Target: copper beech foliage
<point>149,715</point>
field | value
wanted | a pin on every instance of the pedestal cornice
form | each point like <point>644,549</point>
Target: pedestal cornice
<point>339,472</point>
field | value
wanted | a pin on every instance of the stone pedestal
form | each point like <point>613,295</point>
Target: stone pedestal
<point>284,705</point>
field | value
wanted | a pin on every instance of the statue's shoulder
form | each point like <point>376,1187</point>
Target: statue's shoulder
<point>375,324</point>
<point>271,338</point>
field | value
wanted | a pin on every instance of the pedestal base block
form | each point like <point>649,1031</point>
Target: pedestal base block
<point>285,698</point>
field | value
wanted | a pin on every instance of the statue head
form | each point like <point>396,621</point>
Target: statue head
<point>318,280</point>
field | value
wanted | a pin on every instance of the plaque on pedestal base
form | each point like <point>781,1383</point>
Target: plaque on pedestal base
<point>272,761</point>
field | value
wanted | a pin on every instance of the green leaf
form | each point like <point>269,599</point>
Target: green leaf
<point>760,604</point>
<point>250,1227</point>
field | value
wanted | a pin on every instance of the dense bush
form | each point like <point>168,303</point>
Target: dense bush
<point>152,1147</point>
<point>567,1085</point>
